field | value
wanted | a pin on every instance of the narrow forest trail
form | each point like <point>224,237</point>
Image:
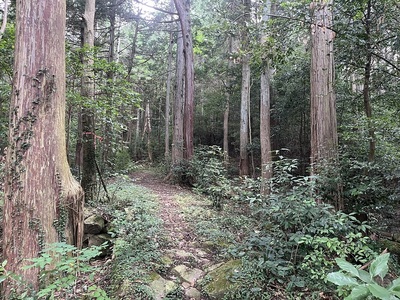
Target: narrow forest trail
<point>187,258</point>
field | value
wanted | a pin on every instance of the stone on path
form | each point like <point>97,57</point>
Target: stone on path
<point>220,284</point>
<point>193,294</point>
<point>161,287</point>
<point>187,274</point>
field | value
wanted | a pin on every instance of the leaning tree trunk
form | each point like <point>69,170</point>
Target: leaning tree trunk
<point>87,92</point>
<point>43,203</point>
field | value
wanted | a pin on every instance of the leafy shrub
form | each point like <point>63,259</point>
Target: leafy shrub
<point>298,239</point>
<point>356,283</point>
<point>210,174</point>
<point>60,265</point>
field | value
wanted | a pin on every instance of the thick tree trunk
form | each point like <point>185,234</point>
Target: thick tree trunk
<point>87,92</point>
<point>324,138</point>
<point>43,203</point>
<point>183,8</point>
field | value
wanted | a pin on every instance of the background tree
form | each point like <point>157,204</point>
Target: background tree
<point>87,92</point>
<point>43,202</point>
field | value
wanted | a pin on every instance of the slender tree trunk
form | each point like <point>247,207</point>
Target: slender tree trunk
<point>265,115</point>
<point>183,8</point>
<point>265,131</point>
<point>177,139</point>
<point>367,82</point>
<point>167,100</point>
<point>244,117</point>
<point>245,93</point>
<point>147,130</point>
<point>4,22</point>
<point>43,203</point>
<point>226,129</point>
<point>88,181</point>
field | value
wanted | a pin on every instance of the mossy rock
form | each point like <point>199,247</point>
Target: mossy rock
<point>160,286</point>
<point>219,283</point>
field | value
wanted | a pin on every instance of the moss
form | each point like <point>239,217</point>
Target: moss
<point>219,283</point>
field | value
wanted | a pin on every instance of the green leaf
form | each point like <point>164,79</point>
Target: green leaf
<point>359,292</point>
<point>395,286</point>
<point>340,279</point>
<point>379,266</point>
<point>379,292</point>
<point>364,276</point>
<point>346,266</point>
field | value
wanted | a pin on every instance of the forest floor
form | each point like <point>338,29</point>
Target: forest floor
<point>181,244</point>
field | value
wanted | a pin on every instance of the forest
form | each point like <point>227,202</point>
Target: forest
<point>199,149</point>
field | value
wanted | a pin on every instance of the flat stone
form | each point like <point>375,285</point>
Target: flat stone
<point>220,283</point>
<point>161,287</point>
<point>187,274</point>
<point>193,294</point>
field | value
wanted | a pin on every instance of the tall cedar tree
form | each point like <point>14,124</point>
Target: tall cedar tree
<point>43,203</point>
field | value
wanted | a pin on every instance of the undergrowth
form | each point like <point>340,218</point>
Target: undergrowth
<point>136,229</point>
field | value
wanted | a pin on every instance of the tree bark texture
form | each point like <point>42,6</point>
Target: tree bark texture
<point>88,181</point>
<point>265,115</point>
<point>43,203</point>
<point>245,93</point>
<point>265,130</point>
<point>183,8</point>
<point>324,139</point>
<point>177,139</point>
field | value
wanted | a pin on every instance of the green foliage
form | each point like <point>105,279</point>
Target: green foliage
<point>297,239</point>
<point>356,283</point>
<point>60,265</point>
<point>210,175</point>
<point>136,230</point>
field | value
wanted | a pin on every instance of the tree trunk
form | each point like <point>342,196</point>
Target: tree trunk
<point>324,138</point>
<point>367,82</point>
<point>183,8</point>
<point>177,139</point>
<point>265,115</point>
<point>43,203</point>
<point>244,117</point>
<point>265,129</point>
<point>87,92</point>
<point>245,93</point>
<point>167,100</point>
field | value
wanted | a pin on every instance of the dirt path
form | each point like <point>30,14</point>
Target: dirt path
<point>189,261</point>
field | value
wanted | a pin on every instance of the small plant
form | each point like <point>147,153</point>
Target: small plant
<point>360,284</point>
<point>60,265</point>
